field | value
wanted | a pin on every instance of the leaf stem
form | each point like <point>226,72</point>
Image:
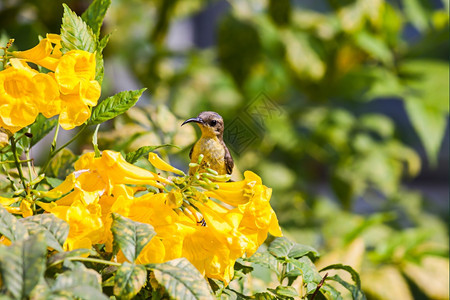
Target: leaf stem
<point>17,162</point>
<point>94,260</point>
<point>54,152</point>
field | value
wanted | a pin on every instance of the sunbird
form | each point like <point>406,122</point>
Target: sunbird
<point>216,155</point>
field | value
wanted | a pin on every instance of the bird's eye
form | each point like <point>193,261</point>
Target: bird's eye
<point>213,123</point>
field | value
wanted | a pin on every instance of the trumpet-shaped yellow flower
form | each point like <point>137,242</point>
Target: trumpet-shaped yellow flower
<point>18,92</point>
<point>45,54</point>
<point>211,234</point>
<point>70,90</point>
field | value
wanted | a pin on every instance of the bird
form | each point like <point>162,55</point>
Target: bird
<point>216,155</point>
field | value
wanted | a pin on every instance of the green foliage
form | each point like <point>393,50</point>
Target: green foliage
<point>40,128</point>
<point>130,236</point>
<point>75,34</point>
<point>322,69</point>
<point>114,106</point>
<point>129,280</point>
<point>133,157</point>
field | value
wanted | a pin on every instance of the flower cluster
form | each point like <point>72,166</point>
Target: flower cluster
<point>68,89</point>
<point>210,227</point>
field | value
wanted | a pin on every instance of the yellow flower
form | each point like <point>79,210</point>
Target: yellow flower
<point>45,54</point>
<point>18,92</point>
<point>211,234</point>
<point>70,91</point>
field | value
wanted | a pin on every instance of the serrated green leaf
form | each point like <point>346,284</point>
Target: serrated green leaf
<point>114,106</point>
<point>54,229</point>
<point>129,280</point>
<point>130,236</point>
<point>284,248</point>
<point>40,128</point>
<point>75,34</point>
<point>23,265</point>
<point>99,67</point>
<point>10,227</point>
<point>353,273</point>
<point>133,157</point>
<point>181,280</point>
<point>95,13</point>
<point>81,283</point>
<point>357,293</point>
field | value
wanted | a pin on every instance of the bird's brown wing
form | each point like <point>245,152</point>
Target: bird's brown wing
<point>229,163</point>
<point>190,152</point>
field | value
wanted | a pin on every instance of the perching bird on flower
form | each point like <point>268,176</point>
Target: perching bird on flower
<point>215,153</point>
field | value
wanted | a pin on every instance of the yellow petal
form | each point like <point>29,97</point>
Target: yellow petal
<point>160,164</point>
<point>42,50</point>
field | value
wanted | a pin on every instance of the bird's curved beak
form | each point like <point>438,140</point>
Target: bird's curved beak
<point>196,120</point>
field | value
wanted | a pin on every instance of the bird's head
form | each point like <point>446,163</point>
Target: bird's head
<point>211,123</point>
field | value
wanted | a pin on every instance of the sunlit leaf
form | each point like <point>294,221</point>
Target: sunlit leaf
<point>426,101</point>
<point>94,14</point>
<point>114,106</point>
<point>129,280</point>
<point>357,293</point>
<point>75,34</point>
<point>285,248</point>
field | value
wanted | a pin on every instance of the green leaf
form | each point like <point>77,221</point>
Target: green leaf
<point>284,248</point>
<point>54,229</point>
<point>23,265</point>
<point>114,106</point>
<point>53,182</point>
<point>426,101</point>
<point>265,296</point>
<point>40,128</point>
<point>181,280</point>
<point>95,13</point>
<point>307,269</point>
<point>10,227</point>
<point>62,164</point>
<point>375,47</point>
<point>357,293</point>
<point>353,273</point>
<point>129,280</point>
<point>285,291</point>
<point>131,236</point>
<point>94,141</point>
<point>417,14</point>
<point>81,283</point>
<point>330,292</point>
<point>264,259</point>
<point>60,257</point>
<point>75,34</point>
<point>133,157</point>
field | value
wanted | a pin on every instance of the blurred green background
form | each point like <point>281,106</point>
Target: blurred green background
<point>340,106</point>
